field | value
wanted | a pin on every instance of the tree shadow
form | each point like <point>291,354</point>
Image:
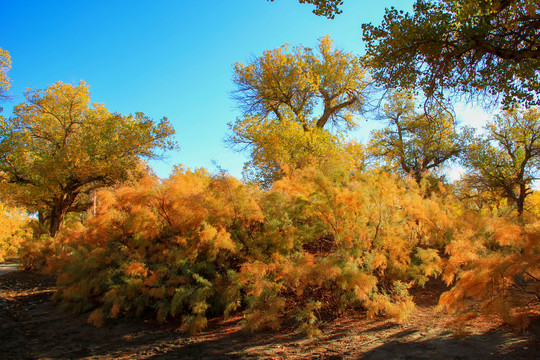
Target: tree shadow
<point>498,345</point>
<point>32,327</point>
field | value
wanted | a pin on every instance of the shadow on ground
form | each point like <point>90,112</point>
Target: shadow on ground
<point>32,327</point>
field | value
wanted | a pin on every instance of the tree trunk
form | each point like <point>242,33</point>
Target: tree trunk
<point>58,212</point>
<point>57,217</point>
<point>520,201</point>
<point>41,218</point>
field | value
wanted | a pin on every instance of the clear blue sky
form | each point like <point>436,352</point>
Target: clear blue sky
<point>165,57</point>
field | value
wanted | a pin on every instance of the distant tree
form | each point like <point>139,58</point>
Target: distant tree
<point>5,65</point>
<point>12,230</point>
<point>327,8</point>
<point>507,159</point>
<point>485,48</point>
<point>414,143</point>
<point>58,147</point>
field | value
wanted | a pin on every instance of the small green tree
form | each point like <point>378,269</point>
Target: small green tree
<point>507,158</point>
<point>415,143</point>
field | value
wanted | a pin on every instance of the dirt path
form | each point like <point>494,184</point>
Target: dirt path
<point>32,327</point>
<point>8,266</point>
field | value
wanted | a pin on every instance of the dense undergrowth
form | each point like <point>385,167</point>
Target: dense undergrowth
<point>321,240</point>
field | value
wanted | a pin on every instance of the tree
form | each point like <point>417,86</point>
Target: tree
<point>297,83</point>
<point>507,159</point>
<point>58,147</point>
<point>5,65</point>
<point>289,98</point>
<point>414,142</point>
<point>275,145</point>
<point>12,230</point>
<point>326,8</point>
<point>486,48</point>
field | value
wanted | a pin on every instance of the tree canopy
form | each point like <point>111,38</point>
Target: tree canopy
<point>413,142</point>
<point>486,48</point>
<point>507,159</point>
<point>299,82</point>
<point>290,97</point>
<point>326,8</point>
<point>273,146</point>
<point>58,147</point>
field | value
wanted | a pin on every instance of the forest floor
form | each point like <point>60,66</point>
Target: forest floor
<point>33,327</point>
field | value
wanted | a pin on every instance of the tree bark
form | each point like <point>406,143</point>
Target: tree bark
<point>58,212</point>
<point>520,201</point>
<point>57,217</point>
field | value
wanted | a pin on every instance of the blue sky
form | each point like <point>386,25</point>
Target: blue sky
<point>168,58</point>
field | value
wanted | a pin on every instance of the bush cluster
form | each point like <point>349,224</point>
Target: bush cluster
<point>197,245</point>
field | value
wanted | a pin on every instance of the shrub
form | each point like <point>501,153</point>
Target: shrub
<point>494,267</point>
<point>164,246</point>
<point>13,230</point>
<point>194,245</point>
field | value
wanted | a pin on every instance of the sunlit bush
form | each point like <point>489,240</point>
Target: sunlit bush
<point>194,245</point>
<point>13,230</point>
<point>494,269</point>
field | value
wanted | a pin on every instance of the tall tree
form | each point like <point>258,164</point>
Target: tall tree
<point>413,142</point>
<point>290,97</point>
<point>485,48</point>
<point>59,147</point>
<point>299,82</point>
<point>507,158</point>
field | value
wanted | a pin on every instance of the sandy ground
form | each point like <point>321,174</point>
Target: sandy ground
<point>33,327</point>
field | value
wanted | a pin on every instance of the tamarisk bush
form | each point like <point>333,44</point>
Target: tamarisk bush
<point>336,240</point>
<point>494,269</point>
<point>321,240</point>
<point>164,246</point>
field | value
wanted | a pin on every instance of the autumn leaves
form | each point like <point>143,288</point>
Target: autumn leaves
<point>321,223</point>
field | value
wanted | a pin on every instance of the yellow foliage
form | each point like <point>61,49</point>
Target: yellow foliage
<point>13,230</point>
<point>5,66</point>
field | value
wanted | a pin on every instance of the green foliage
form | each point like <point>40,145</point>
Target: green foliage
<point>486,48</point>
<point>415,143</point>
<point>505,161</point>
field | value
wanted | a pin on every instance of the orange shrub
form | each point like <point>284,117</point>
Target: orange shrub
<point>196,245</point>
<point>333,239</point>
<point>164,246</point>
<point>495,262</point>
